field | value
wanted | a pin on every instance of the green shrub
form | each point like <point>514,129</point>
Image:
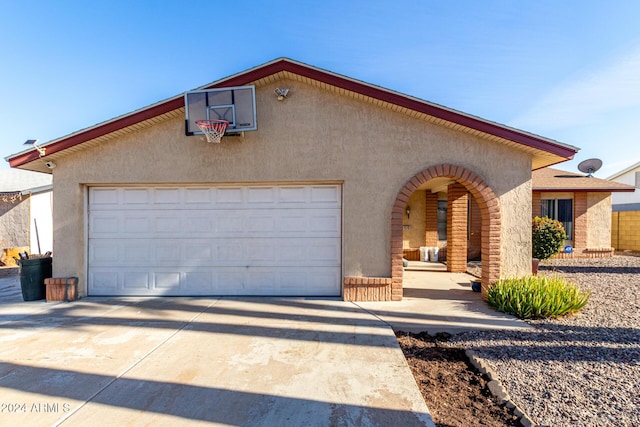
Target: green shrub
<point>548,237</point>
<point>534,297</point>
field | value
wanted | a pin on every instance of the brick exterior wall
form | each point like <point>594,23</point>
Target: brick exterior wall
<point>536,199</point>
<point>580,220</point>
<point>475,230</point>
<point>431,234</point>
<point>457,214</point>
<point>368,289</point>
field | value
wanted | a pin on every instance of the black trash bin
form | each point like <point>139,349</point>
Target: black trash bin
<point>33,271</point>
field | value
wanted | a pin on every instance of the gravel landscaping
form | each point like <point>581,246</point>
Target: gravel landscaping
<point>582,370</point>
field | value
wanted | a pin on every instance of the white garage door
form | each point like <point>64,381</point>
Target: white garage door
<point>226,240</point>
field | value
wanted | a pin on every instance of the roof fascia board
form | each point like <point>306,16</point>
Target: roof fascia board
<point>98,130</point>
<point>330,78</point>
<point>403,100</point>
<point>624,171</point>
<point>584,190</point>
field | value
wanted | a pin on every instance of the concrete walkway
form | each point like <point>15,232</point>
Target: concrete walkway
<point>437,301</point>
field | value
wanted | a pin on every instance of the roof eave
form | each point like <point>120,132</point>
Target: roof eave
<point>585,190</point>
<point>624,171</point>
<point>563,151</point>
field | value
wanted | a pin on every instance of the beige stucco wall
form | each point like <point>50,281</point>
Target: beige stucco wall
<point>313,136</point>
<point>515,253</point>
<point>599,220</point>
<point>14,223</point>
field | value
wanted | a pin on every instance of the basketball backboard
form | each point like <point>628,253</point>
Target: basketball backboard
<point>237,105</point>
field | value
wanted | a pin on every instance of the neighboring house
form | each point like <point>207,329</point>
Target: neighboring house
<point>625,232</point>
<point>582,204</point>
<point>627,201</point>
<point>312,202</point>
<point>25,210</point>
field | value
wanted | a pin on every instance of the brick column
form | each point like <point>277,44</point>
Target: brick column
<point>431,213</point>
<point>580,220</point>
<point>457,228</point>
<point>535,204</point>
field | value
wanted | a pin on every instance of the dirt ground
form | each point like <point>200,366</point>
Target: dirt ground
<point>455,392</point>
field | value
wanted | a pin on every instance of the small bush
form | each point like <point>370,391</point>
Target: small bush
<point>534,297</point>
<point>548,236</point>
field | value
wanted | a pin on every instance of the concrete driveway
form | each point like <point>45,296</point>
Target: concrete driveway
<point>188,361</point>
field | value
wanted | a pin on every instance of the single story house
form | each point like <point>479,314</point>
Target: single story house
<point>25,212</point>
<point>625,229</point>
<point>310,199</point>
<point>582,204</point>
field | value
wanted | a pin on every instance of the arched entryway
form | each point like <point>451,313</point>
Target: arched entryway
<point>490,214</point>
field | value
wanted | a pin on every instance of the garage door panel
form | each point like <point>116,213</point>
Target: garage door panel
<point>102,198</point>
<point>279,281</point>
<point>135,196</point>
<point>231,240</point>
<point>167,196</point>
<point>187,198</point>
<point>217,252</point>
<point>228,198</point>
<point>300,223</point>
<point>135,224</point>
<point>108,254</point>
<point>105,281</point>
<point>167,280</point>
<point>136,280</point>
<point>104,224</point>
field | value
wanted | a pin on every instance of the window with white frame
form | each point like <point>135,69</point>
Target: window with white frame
<point>442,220</point>
<point>560,209</point>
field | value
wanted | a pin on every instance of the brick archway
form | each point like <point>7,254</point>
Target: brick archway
<point>491,221</point>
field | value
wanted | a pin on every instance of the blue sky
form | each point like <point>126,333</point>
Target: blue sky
<point>567,70</point>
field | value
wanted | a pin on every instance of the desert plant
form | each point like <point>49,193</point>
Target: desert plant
<point>548,236</point>
<point>533,297</point>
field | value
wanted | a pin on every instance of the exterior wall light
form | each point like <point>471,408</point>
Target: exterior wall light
<point>281,93</point>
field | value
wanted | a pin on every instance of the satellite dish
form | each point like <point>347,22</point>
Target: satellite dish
<point>590,166</point>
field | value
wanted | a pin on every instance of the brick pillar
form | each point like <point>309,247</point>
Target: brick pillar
<point>535,204</point>
<point>457,200</point>
<point>580,220</point>
<point>431,213</point>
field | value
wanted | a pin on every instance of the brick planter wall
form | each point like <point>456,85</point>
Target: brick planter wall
<point>587,253</point>
<point>369,289</point>
<point>61,289</point>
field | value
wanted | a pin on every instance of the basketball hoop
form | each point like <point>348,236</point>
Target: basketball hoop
<point>213,129</point>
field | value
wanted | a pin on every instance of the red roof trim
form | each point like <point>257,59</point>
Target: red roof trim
<point>583,190</point>
<point>98,131</point>
<point>315,74</point>
<point>398,99</point>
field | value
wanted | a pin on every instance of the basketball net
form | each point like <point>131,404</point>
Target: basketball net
<point>213,129</point>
